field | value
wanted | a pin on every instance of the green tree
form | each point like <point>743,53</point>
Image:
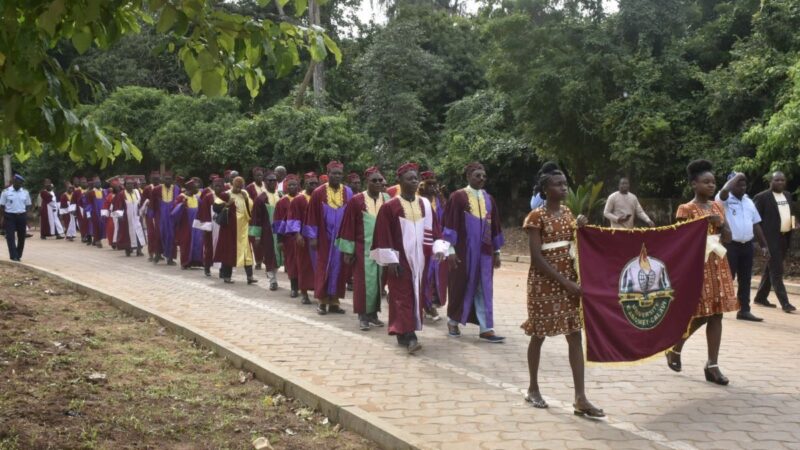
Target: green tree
<point>396,74</point>
<point>39,95</point>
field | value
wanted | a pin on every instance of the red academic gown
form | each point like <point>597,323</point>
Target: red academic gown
<point>254,192</point>
<point>355,237</point>
<point>190,251</point>
<point>204,218</point>
<point>306,256</point>
<point>109,221</point>
<point>67,214</point>
<point>475,240</point>
<point>322,223</point>
<point>44,218</point>
<point>153,236</point>
<point>261,224</point>
<point>226,250</point>
<point>435,284</point>
<point>407,241</point>
<point>120,209</point>
<point>279,225</point>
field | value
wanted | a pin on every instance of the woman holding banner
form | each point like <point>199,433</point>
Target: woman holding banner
<point>553,292</point>
<point>717,296</point>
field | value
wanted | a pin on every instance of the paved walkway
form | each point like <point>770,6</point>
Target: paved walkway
<point>462,393</point>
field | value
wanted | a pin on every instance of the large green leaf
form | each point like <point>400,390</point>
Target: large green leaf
<point>213,83</point>
<point>82,39</point>
<point>168,17</point>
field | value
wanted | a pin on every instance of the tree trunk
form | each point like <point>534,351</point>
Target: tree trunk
<point>319,68</point>
<point>6,170</point>
<point>301,92</point>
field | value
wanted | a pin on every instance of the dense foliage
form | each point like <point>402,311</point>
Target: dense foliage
<point>639,91</point>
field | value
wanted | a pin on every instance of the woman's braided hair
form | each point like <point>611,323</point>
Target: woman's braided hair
<point>544,180</point>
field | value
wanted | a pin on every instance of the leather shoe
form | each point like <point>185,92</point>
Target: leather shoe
<point>747,315</point>
<point>788,308</point>
<point>766,303</point>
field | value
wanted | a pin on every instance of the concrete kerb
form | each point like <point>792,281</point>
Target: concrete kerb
<point>337,410</point>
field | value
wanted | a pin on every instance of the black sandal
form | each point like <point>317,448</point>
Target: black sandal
<point>541,404</point>
<point>591,411</point>
<point>671,362</point>
<point>712,377</point>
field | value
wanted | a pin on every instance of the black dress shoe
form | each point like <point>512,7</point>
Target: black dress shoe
<point>413,346</point>
<point>766,303</point>
<point>336,309</point>
<point>252,281</point>
<point>788,308</point>
<point>322,310</point>
<point>273,286</point>
<point>293,294</point>
<point>747,315</point>
<point>305,300</point>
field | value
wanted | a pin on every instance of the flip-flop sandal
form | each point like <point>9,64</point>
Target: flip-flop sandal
<point>541,404</point>
<point>592,412</point>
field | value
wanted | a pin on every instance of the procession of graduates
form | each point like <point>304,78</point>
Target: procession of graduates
<point>330,237</point>
<point>429,253</point>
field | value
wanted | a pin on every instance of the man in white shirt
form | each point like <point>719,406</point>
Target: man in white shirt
<point>775,207</point>
<point>280,175</point>
<point>622,207</point>
<point>15,202</point>
<point>745,224</point>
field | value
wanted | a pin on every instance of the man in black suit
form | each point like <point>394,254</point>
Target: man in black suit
<point>775,207</point>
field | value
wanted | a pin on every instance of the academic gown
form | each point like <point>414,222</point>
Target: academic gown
<point>66,210</point>
<point>436,272</point>
<point>153,237</point>
<point>472,226</point>
<point>161,199</point>
<point>49,223</point>
<point>94,201</point>
<point>233,247</point>
<point>355,237</point>
<point>125,207</point>
<point>323,220</point>
<point>82,221</point>
<point>253,190</point>
<point>111,222</point>
<point>188,238</point>
<point>406,234</point>
<point>261,231</point>
<point>289,246</point>
<point>206,224</point>
<point>306,256</point>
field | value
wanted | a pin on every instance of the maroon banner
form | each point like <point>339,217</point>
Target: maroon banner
<point>640,288</point>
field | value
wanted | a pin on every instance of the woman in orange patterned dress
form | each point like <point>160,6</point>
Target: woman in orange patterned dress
<point>718,296</point>
<point>553,292</point>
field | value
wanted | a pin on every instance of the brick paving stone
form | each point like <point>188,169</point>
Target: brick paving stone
<point>463,393</point>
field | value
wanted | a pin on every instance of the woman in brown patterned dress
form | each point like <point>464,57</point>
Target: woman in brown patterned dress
<point>553,293</point>
<point>717,296</point>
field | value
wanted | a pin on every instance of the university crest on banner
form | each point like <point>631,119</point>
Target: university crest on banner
<point>640,288</point>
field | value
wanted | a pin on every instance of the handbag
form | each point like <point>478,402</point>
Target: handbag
<point>221,218</point>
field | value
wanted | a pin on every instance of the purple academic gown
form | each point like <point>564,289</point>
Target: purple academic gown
<point>166,225</point>
<point>97,221</point>
<point>475,237</point>
<point>196,235</point>
<point>321,214</point>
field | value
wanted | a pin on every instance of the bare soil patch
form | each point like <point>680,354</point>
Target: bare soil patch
<point>77,373</point>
